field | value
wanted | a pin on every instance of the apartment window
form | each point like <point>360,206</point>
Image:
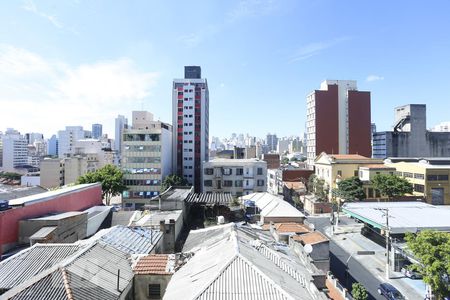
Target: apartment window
<point>239,171</point>
<point>355,173</point>
<point>209,171</point>
<point>339,173</point>
<point>227,171</point>
<point>260,171</point>
<point>207,182</point>
<point>227,183</point>
<point>219,184</point>
<point>419,176</point>
<point>437,177</point>
<point>407,175</point>
<point>238,183</point>
<point>260,182</point>
<point>419,188</point>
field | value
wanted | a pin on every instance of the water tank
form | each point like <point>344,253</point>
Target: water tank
<point>4,204</point>
<point>220,220</point>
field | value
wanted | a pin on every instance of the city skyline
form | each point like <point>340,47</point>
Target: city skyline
<point>73,64</point>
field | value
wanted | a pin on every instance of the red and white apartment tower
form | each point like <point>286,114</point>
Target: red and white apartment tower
<point>190,114</point>
<point>338,120</point>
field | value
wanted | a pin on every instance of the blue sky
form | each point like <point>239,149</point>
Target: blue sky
<point>82,62</point>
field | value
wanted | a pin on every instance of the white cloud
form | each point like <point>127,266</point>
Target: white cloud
<point>37,94</point>
<point>31,7</point>
<point>190,40</point>
<point>374,78</point>
<point>312,49</point>
<point>252,8</point>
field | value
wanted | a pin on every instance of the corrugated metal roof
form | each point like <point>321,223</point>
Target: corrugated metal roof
<point>237,266</point>
<point>273,206</point>
<point>210,198</point>
<point>34,260</point>
<point>132,240</point>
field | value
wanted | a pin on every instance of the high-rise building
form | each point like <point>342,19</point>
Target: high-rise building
<point>190,114</point>
<point>146,158</point>
<point>33,136</point>
<point>97,131</point>
<point>14,150</point>
<point>338,120</point>
<point>52,146</point>
<point>67,139</point>
<point>272,142</point>
<point>120,124</point>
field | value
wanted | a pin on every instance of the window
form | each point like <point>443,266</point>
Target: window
<point>260,171</point>
<point>437,177</point>
<point>260,182</point>
<point>239,171</point>
<point>407,175</point>
<point>339,172</point>
<point>227,183</point>
<point>419,188</point>
<point>355,173</point>
<point>207,182</point>
<point>419,176</point>
<point>227,171</point>
<point>209,171</point>
<point>238,183</point>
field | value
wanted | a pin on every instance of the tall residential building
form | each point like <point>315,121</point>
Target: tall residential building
<point>121,123</point>
<point>410,137</point>
<point>272,142</point>
<point>338,120</point>
<point>97,131</point>
<point>236,176</point>
<point>190,115</point>
<point>14,150</point>
<point>33,136</point>
<point>52,146</point>
<point>146,158</point>
<point>67,139</point>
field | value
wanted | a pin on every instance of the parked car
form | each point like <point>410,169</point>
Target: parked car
<point>410,273</point>
<point>390,292</point>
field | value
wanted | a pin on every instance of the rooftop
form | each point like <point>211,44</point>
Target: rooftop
<point>233,162</point>
<point>8,192</point>
<point>154,264</point>
<point>49,195</point>
<point>403,216</point>
<point>152,218</point>
<point>291,227</point>
<point>272,206</point>
<point>60,216</point>
<point>210,198</point>
<point>312,238</point>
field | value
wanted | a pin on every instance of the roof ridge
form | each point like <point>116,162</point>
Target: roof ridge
<point>66,283</point>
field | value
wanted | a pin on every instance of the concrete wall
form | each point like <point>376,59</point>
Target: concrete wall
<point>73,201</point>
<point>51,173</point>
<point>142,282</point>
<point>69,230</point>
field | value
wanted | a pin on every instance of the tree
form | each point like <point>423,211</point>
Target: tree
<point>111,179</point>
<point>432,251</point>
<point>318,187</point>
<point>173,180</point>
<point>351,189</point>
<point>359,292</point>
<point>392,185</point>
<point>284,161</point>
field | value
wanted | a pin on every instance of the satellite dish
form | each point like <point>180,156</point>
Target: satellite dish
<point>312,226</point>
<point>308,248</point>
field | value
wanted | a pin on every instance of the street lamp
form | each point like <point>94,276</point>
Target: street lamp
<point>386,233</point>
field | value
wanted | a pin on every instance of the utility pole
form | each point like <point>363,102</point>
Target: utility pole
<point>386,233</point>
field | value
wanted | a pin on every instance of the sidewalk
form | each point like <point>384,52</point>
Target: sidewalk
<point>376,264</point>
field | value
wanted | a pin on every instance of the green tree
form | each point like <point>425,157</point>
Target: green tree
<point>392,185</point>
<point>317,187</point>
<point>111,179</point>
<point>351,189</point>
<point>293,158</point>
<point>173,180</point>
<point>432,251</point>
<point>359,292</point>
<point>10,175</point>
<point>284,161</point>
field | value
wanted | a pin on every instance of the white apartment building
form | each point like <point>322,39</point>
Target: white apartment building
<point>146,158</point>
<point>121,123</point>
<point>190,115</point>
<point>236,176</point>
<point>14,148</point>
<point>67,139</point>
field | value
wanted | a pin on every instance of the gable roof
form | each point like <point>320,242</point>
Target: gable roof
<point>239,267</point>
<point>312,238</point>
<point>291,227</point>
<point>273,206</point>
<point>153,264</point>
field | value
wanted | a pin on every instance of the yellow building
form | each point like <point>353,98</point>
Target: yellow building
<point>335,167</point>
<point>430,178</point>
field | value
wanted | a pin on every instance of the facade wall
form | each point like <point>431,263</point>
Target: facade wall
<point>225,177</point>
<point>74,201</point>
<point>52,173</point>
<point>272,160</point>
<point>141,285</point>
<point>359,123</point>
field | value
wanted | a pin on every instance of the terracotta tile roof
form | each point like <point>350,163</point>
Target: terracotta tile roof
<point>266,227</point>
<point>348,156</point>
<point>314,237</point>
<point>291,227</point>
<point>296,185</point>
<point>377,166</point>
<point>153,264</point>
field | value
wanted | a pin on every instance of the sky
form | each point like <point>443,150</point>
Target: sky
<point>79,62</point>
